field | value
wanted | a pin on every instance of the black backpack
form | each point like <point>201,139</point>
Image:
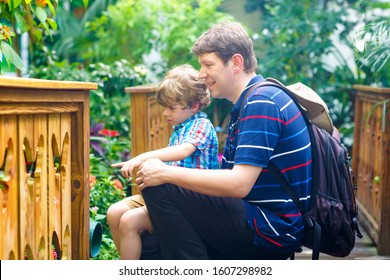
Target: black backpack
<point>331,222</point>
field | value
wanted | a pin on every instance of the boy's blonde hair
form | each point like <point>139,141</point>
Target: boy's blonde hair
<point>182,86</point>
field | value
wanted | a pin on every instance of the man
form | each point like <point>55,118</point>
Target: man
<point>239,211</point>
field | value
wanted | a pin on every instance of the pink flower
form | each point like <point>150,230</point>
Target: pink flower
<point>220,157</point>
<point>94,209</point>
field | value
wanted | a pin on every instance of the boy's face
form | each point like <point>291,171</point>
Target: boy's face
<point>218,76</point>
<point>176,114</point>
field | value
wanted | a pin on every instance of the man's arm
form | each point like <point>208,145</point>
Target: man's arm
<point>232,183</point>
<point>171,153</point>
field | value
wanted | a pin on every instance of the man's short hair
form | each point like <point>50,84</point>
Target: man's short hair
<point>225,40</point>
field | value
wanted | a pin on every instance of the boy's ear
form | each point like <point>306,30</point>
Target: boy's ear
<point>195,107</point>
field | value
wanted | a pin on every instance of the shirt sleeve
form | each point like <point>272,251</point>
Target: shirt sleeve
<point>199,134</point>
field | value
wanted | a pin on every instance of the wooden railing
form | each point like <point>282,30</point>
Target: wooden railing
<point>371,162</point>
<point>149,130</point>
<point>44,169</point>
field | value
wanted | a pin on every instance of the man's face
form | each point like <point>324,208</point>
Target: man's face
<point>217,75</point>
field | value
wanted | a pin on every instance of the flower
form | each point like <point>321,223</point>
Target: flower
<point>220,155</point>
<point>41,3</point>
<point>55,256</point>
<point>107,132</point>
<point>118,184</point>
<point>94,209</point>
<point>92,181</point>
<point>5,32</point>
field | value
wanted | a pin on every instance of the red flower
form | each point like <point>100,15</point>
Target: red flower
<point>92,181</point>
<point>118,184</point>
<point>55,256</point>
<point>107,132</point>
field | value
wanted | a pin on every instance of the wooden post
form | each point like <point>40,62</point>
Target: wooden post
<point>44,168</point>
<point>371,162</point>
<point>149,130</point>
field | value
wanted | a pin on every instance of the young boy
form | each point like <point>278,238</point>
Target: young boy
<point>193,144</point>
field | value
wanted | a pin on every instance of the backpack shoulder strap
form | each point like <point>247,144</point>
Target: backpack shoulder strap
<point>275,172</point>
<point>273,169</point>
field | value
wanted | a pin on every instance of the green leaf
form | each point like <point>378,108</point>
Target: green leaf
<point>21,22</point>
<point>11,56</point>
<point>41,14</point>
<point>52,23</point>
<point>52,9</point>
<point>13,4</point>
<point>85,2</point>
<point>99,217</point>
<point>37,34</point>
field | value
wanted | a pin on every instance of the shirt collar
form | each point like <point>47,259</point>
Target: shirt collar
<point>257,78</point>
<point>197,115</point>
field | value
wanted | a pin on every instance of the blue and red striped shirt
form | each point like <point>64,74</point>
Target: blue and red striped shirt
<point>271,128</point>
<point>199,131</point>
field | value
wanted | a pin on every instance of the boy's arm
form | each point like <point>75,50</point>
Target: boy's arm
<point>171,153</point>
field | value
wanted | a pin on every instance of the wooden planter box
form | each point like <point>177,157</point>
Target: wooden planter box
<point>371,162</point>
<point>44,169</point>
<point>149,130</point>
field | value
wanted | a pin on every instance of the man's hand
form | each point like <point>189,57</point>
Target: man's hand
<point>150,173</point>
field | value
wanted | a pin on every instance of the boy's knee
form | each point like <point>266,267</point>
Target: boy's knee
<point>114,213</point>
<point>110,214</point>
<point>126,222</point>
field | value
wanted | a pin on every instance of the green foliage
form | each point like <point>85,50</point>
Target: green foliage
<point>109,104</point>
<point>10,55</point>
<point>103,193</point>
<point>168,27</point>
<point>32,16</point>
<point>107,250</point>
<point>297,44</point>
<point>106,151</point>
<point>73,40</point>
<point>374,58</point>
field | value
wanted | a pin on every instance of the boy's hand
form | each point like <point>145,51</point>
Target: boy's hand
<point>128,166</point>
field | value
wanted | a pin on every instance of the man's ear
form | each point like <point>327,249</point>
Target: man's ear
<point>195,107</point>
<point>238,62</point>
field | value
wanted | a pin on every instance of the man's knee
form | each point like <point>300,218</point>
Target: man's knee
<point>156,192</point>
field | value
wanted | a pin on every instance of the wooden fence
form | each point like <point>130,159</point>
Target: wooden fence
<point>44,169</point>
<point>149,130</point>
<point>371,162</point>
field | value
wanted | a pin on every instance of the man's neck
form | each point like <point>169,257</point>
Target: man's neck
<point>244,81</point>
